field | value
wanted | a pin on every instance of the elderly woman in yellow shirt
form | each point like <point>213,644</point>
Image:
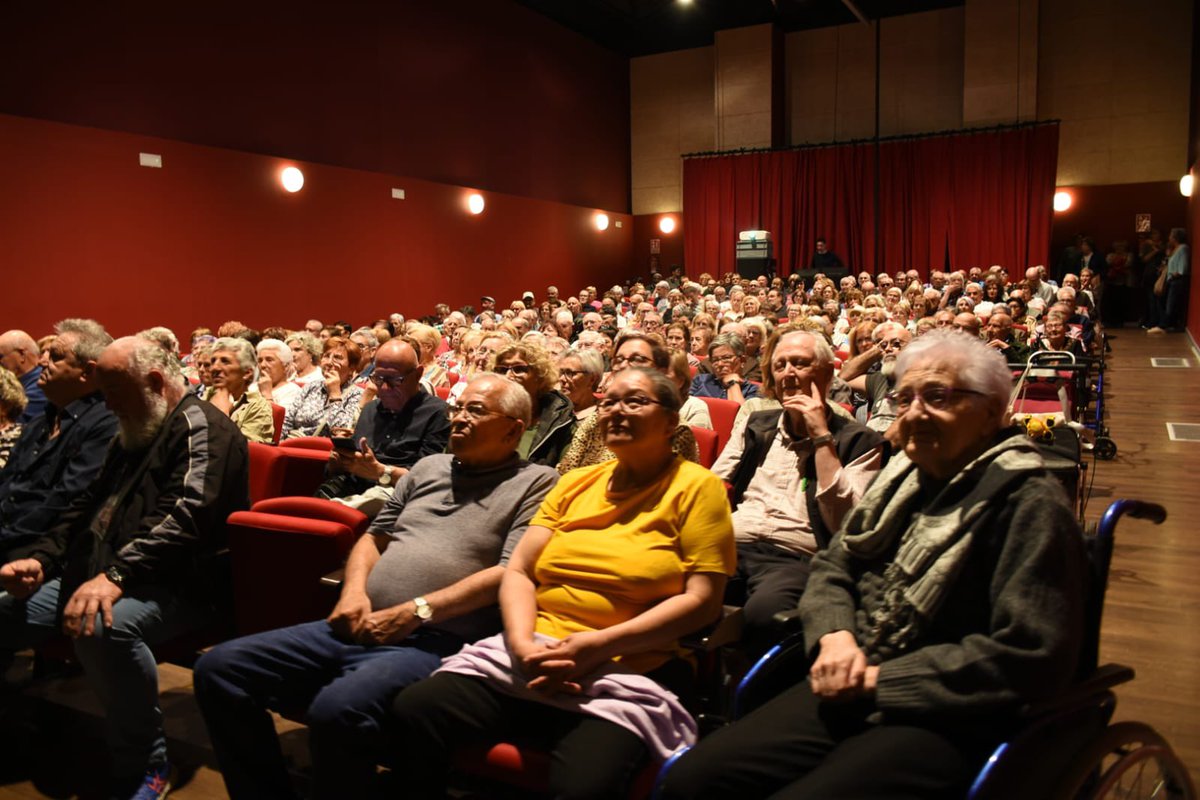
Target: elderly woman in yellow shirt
<point>623,558</point>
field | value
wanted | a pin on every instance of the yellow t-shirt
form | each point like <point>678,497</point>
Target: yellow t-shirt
<point>612,556</point>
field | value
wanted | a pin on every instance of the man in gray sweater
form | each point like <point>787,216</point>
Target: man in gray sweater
<point>419,584</point>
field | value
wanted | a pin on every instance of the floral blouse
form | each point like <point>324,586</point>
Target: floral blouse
<point>314,414</point>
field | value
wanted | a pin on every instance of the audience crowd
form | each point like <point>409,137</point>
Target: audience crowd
<point>542,532</point>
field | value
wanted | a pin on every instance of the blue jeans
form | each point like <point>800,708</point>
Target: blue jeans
<point>344,692</point>
<point>117,661</point>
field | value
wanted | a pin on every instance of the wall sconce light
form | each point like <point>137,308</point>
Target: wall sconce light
<point>601,221</point>
<point>475,204</point>
<point>292,179</point>
<point>1186,184</point>
<point>666,224</point>
<point>1062,200</point>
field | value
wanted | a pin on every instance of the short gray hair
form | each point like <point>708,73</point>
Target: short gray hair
<point>165,337</point>
<point>90,338</point>
<point>148,355</point>
<point>511,397</point>
<point>285,352</point>
<point>979,368</point>
<point>247,359</point>
<point>591,361</point>
<point>311,344</point>
<point>730,340</point>
<point>369,335</point>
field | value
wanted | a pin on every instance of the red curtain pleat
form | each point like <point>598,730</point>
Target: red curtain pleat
<point>982,198</point>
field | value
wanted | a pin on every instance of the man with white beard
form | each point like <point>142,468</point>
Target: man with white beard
<point>886,343</point>
<point>132,561</point>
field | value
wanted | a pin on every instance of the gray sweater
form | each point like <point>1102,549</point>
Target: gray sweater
<point>447,521</point>
<point>1010,628</point>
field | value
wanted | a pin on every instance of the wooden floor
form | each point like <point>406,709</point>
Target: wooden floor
<point>1152,620</point>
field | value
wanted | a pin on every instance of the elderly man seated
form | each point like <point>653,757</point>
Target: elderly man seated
<point>133,560</point>
<point>233,362</point>
<point>796,472</point>
<point>395,430</point>
<point>419,584</point>
<point>887,341</point>
<point>1000,336</point>
<point>60,452</point>
<point>19,354</point>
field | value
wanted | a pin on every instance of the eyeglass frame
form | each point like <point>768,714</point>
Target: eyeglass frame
<point>893,397</point>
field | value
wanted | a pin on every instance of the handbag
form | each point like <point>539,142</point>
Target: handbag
<point>1160,285</point>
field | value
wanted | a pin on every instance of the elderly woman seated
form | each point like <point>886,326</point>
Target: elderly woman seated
<point>553,418</point>
<point>274,364</point>
<point>622,559</point>
<point>232,373</point>
<point>306,354</point>
<point>693,412</point>
<point>579,373</point>
<point>430,340</point>
<point>333,402</point>
<point>952,596</point>
<point>727,358</point>
<point>12,405</point>
<point>635,349</point>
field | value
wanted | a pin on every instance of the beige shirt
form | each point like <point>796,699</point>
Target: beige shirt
<point>774,507</point>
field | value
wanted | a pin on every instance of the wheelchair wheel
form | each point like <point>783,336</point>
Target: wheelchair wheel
<point>1106,448</point>
<point>1129,761</point>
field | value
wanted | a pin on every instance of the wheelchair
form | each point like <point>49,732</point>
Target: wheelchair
<point>1067,747</point>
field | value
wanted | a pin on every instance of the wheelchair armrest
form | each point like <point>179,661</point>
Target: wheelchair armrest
<point>334,578</point>
<point>724,632</point>
<point>1103,679</point>
<point>789,621</point>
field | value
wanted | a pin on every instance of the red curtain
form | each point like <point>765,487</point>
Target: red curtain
<point>984,198</point>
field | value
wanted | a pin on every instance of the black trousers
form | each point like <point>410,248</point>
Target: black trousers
<point>769,579</point>
<point>589,757</point>
<point>796,746</point>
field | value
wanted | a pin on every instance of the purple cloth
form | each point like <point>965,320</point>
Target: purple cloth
<point>633,701</point>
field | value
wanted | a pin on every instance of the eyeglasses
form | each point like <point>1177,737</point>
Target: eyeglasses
<point>387,381</point>
<point>631,405</point>
<point>934,397</point>
<point>723,359</point>
<point>636,360</point>
<point>520,370</point>
<point>475,411</point>
<point>889,344</point>
<point>570,374</point>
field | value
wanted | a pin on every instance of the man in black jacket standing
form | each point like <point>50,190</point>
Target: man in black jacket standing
<point>132,561</point>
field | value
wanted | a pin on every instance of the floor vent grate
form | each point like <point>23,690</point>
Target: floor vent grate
<point>1183,431</point>
<point>1173,363</point>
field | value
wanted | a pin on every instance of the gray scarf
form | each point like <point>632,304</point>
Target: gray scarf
<point>933,541</point>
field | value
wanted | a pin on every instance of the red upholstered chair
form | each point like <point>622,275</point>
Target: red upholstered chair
<point>278,412</point>
<point>268,469</point>
<point>722,413</point>
<point>279,551</point>
<point>706,441</point>
<point>442,391</point>
<point>323,443</point>
<point>528,769</point>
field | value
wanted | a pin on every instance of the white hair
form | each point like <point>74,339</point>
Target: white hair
<point>281,349</point>
<point>978,367</point>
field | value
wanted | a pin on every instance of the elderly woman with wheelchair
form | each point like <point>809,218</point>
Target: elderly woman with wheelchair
<point>952,597</point>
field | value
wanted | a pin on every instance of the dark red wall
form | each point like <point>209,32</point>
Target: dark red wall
<point>85,231</point>
<point>1106,213</point>
<point>645,228</point>
<point>481,93</point>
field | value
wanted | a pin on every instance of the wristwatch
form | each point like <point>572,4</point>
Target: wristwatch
<point>424,610</point>
<point>116,575</point>
<point>730,383</point>
<point>824,438</point>
<point>386,478</point>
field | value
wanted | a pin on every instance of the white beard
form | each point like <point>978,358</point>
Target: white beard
<point>888,367</point>
<point>137,435</point>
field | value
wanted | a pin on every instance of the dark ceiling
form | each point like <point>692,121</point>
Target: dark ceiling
<point>643,27</point>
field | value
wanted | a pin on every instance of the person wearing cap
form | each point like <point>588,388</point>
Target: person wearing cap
<point>487,305</point>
